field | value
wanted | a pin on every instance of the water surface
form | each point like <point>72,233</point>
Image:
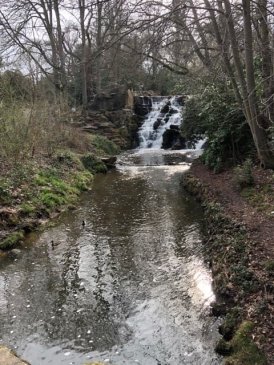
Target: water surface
<point>131,287</point>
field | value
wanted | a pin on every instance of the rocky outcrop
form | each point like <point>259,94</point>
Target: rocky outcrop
<point>120,126</point>
<point>113,99</point>
<point>8,357</point>
<point>172,139</point>
<point>142,105</point>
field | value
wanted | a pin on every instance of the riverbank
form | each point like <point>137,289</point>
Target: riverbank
<point>239,245</point>
<point>37,190</point>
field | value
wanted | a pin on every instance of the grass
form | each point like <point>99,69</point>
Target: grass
<point>12,240</point>
<point>45,162</point>
<point>261,198</point>
<point>269,266</point>
<point>41,192</point>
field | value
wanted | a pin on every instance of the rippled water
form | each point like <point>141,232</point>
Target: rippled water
<point>131,287</point>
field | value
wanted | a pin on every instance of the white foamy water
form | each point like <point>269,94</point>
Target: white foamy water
<point>149,135</point>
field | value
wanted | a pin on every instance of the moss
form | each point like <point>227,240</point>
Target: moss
<point>43,191</point>
<point>244,350</point>
<point>93,164</point>
<point>11,240</point>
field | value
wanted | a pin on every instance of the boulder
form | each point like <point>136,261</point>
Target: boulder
<point>174,127</point>
<point>15,253</point>
<point>172,111</point>
<point>157,124</point>
<point>173,140</point>
<point>165,109</point>
<point>109,161</point>
<point>181,99</point>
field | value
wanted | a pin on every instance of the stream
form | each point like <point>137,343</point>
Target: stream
<point>130,286</point>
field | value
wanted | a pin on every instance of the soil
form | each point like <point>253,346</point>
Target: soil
<point>254,208</point>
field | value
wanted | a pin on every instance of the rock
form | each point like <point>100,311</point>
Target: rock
<point>165,109</point>
<point>181,99</point>
<point>218,309</point>
<point>8,357</point>
<point>142,105</point>
<point>172,111</point>
<point>174,127</point>
<point>14,253</point>
<point>157,124</point>
<point>109,161</point>
<point>223,348</point>
<point>172,139</point>
<point>130,99</point>
<point>3,253</point>
<point>113,99</point>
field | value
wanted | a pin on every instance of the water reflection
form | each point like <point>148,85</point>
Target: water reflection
<point>130,287</point>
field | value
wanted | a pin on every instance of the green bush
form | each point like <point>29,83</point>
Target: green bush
<point>93,164</point>
<point>243,177</point>
<point>68,159</point>
<point>214,114</point>
<point>104,146</point>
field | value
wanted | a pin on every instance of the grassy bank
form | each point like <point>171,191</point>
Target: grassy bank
<point>39,189</point>
<point>238,285</point>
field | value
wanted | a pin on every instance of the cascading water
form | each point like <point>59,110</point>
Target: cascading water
<point>165,114</point>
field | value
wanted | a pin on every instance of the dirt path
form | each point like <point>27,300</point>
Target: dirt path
<point>254,208</point>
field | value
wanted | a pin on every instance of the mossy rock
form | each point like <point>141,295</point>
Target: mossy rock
<point>229,326</point>
<point>11,240</point>
<point>94,164</point>
<point>223,348</point>
<point>244,350</point>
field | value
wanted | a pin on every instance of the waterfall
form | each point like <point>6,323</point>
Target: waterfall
<point>165,115</point>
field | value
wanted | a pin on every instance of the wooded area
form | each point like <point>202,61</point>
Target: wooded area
<point>67,52</point>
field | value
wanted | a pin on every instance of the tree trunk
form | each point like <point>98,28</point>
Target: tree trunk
<point>260,135</point>
<point>81,4</point>
<point>99,47</point>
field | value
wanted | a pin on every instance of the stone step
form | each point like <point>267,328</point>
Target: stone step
<point>8,357</point>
